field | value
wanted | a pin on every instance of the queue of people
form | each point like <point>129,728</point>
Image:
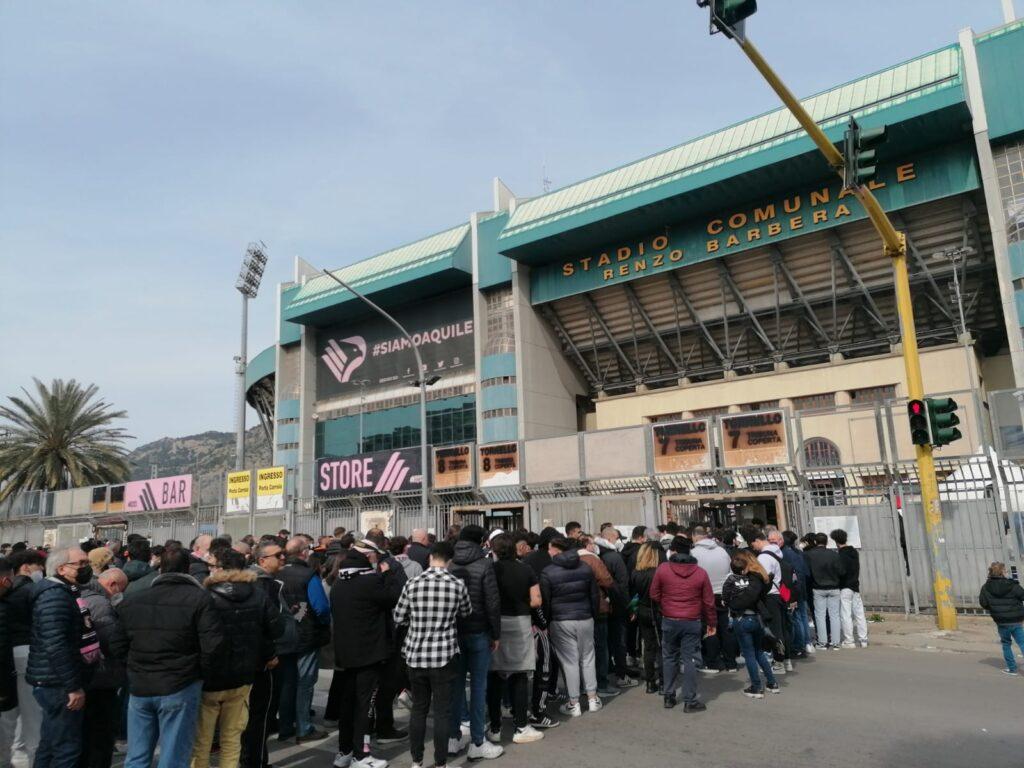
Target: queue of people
<point>184,651</point>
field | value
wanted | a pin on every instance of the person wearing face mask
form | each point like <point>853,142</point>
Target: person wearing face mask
<point>62,643</point>
<point>102,713</point>
<point>26,570</point>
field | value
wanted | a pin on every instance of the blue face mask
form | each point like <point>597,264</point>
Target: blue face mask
<point>36,576</point>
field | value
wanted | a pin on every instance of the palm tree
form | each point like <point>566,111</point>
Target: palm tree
<point>60,438</point>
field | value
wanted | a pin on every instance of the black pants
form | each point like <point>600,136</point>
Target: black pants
<point>517,686</point>
<point>617,645</point>
<point>394,678</point>
<point>721,649</point>
<point>632,638</point>
<point>431,685</point>
<point>542,685</point>
<point>99,728</point>
<point>356,691</point>
<point>254,738</point>
<point>650,631</point>
<point>777,620</point>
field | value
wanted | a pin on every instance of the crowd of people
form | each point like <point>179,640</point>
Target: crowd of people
<point>186,651</point>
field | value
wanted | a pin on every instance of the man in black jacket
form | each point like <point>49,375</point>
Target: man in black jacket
<point>362,599</point>
<point>176,639</point>
<point>419,547</point>
<point>1003,598</point>
<point>55,661</point>
<point>253,625</point>
<point>826,578</point>
<point>8,677</point>
<point>851,607</point>
<point>479,634</point>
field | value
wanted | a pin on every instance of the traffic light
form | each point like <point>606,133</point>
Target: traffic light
<point>942,420</point>
<point>726,15</point>
<point>919,432</point>
<point>860,148</point>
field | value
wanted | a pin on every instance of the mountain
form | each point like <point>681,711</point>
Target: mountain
<point>208,453</point>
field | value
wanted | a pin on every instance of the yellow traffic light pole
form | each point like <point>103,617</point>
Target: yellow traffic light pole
<point>895,247</point>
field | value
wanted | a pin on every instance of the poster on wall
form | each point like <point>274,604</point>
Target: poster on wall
<point>498,465</point>
<point>848,523</point>
<point>239,493</point>
<point>375,519</point>
<point>369,473</point>
<point>682,446</point>
<point>453,467</point>
<point>370,354</point>
<point>159,493</point>
<point>270,488</point>
<point>755,440</point>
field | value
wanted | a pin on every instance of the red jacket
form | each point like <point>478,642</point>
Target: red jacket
<point>683,590</point>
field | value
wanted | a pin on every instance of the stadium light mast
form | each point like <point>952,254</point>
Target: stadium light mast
<point>422,382</point>
<point>248,284</point>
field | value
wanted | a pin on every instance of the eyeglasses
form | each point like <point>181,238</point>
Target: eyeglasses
<point>278,555</point>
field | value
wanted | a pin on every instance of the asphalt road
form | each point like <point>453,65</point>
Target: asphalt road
<point>867,707</point>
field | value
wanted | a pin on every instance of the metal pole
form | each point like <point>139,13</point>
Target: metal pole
<point>240,373</point>
<point>895,247</point>
<point>421,374</point>
<point>1009,15</point>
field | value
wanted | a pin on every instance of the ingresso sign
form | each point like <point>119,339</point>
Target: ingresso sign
<point>370,353</point>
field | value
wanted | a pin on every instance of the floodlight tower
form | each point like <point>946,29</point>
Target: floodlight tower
<point>248,284</point>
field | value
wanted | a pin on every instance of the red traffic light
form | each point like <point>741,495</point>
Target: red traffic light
<point>916,407</point>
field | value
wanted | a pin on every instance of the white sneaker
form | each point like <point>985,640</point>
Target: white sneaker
<point>342,761</point>
<point>369,761</point>
<point>464,727</point>
<point>789,665</point>
<point>404,700</point>
<point>595,705</point>
<point>416,765</point>
<point>570,709</point>
<point>457,745</point>
<point>849,645</point>
<point>485,751</point>
<point>863,643</point>
<point>494,736</point>
<point>527,735</point>
<point>778,668</point>
<point>810,648</point>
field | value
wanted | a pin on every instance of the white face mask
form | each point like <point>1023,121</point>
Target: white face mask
<point>36,576</point>
<point>116,599</point>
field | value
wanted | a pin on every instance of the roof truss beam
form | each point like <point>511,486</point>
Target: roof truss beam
<point>634,300</point>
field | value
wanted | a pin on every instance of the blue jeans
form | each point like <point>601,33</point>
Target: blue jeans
<point>801,627</point>
<point>170,720</point>
<point>750,635</point>
<point>680,647</point>
<point>60,733</point>
<point>1007,634</point>
<point>307,674</point>
<point>475,658</point>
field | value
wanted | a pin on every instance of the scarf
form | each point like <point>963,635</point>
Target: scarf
<point>89,644</point>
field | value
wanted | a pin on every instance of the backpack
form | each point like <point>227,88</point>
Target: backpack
<point>788,585</point>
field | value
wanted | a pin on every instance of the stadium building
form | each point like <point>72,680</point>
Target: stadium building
<point>699,333</point>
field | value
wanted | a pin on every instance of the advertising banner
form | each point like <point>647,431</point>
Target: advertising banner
<point>755,440</point>
<point>157,494</point>
<point>453,466</point>
<point>270,488</point>
<point>370,353</point>
<point>369,473</point>
<point>239,495</point>
<point>498,465</point>
<point>682,446</point>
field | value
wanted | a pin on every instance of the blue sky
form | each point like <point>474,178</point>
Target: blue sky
<point>142,144</point>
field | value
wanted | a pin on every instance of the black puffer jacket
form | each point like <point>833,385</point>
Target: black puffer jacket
<point>569,589</point>
<point>8,679</point>
<point>175,635</point>
<point>19,602</point>
<point>640,587</point>
<point>252,622</point>
<point>54,658</point>
<point>1003,598</point>
<point>477,571</point>
<point>629,552</point>
<point>136,569</point>
<point>110,671</point>
<point>361,603</point>
<point>826,567</point>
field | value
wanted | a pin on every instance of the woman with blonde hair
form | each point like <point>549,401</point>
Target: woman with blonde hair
<point>743,594</point>
<point>648,619</point>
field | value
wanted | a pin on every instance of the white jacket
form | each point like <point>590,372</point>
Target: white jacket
<point>715,560</point>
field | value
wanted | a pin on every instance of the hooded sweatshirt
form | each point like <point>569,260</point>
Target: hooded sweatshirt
<point>715,560</point>
<point>683,590</point>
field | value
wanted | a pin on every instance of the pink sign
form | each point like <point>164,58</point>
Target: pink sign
<point>158,493</point>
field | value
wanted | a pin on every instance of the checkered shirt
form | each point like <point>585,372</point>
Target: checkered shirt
<point>429,604</point>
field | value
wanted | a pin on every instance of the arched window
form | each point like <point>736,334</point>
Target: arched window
<point>820,452</point>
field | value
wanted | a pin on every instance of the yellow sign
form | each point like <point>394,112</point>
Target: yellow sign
<point>754,440</point>
<point>239,492</point>
<point>682,446</point>
<point>270,488</point>
<point>453,466</point>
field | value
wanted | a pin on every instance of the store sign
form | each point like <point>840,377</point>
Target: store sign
<point>369,473</point>
<point>755,440</point>
<point>497,465</point>
<point>371,354</point>
<point>682,446</point>
<point>910,181</point>
<point>239,493</point>
<point>160,493</point>
<point>453,467</point>
<point>270,488</point>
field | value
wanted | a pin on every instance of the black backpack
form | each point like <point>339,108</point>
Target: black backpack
<point>788,585</point>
